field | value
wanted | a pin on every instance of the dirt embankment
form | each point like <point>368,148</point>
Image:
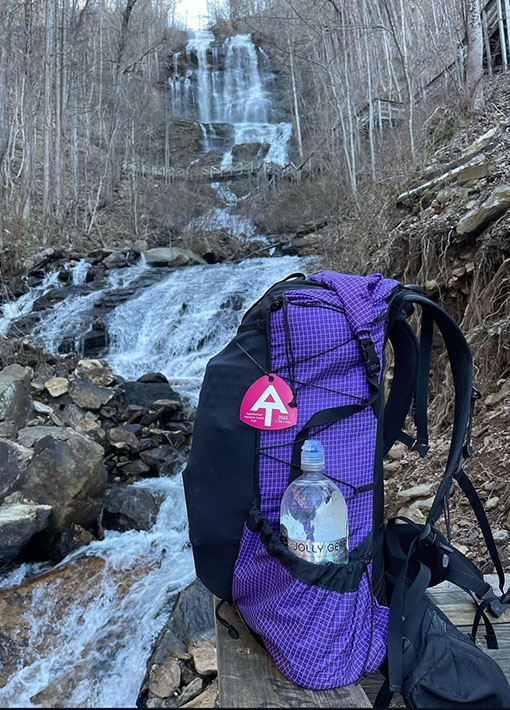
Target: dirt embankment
<point>448,229</point>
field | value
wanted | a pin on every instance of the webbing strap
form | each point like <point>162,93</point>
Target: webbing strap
<point>325,418</point>
<point>405,352</point>
<point>469,491</point>
<point>403,601</point>
<point>422,381</point>
<point>462,366</point>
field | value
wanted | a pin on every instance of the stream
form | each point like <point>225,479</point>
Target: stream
<point>90,623</point>
<point>87,627</point>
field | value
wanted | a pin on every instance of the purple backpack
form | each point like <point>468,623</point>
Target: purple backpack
<point>324,625</point>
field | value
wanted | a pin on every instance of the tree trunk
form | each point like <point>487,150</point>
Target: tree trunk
<point>48,81</point>
<point>474,60</point>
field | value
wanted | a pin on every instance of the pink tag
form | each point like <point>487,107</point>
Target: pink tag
<point>266,404</point>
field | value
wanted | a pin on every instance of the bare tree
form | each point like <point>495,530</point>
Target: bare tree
<point>474,60</point>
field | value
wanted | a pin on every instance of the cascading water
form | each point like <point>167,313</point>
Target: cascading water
<point>79,272</point>
<point>229,88</point>
<point>230,91</point>
<point>177,325</point>
<point>172,326</point>
<point>91,624</point>
<point>12,310</point>
<point>90,647</point>
<point>71,319</point>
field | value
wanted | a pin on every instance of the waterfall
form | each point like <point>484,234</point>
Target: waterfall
<point>177,325</point>
<point>71,319</point>
<point>12,310</point>
<point>91,621</point>
<point>172,320</point>
<point>229,87</point>
<point>79,272</point>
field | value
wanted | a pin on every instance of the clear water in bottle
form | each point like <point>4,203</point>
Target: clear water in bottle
<point>313,513</point>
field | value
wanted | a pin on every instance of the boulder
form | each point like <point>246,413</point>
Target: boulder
<point>18,524</point>
<point>144,394</point>
<point>130,508</point>
<point>13,459</point>
<point>41,408</point>
<point>153,377</point>
<point>172,256</point>
<point>69,475</point>
<point>15,401</point>
<point>57,386</point>
<point>496,397</point>
<point>94,370</point>
<point>165,678</point>
<point>20,452</point>
<point>88,395</point>
<point>243,152</point>
<point>190,621</point>
<point>207,699</point>
<point>479,217</point>
<point>91,428</point>
<point>422,490</point>
<point>123,440</point>
<point>164,459</point>
<point>475,172</point>
<point>136,468</point>
<point>204,657</point>
<point>72,415</point>
<point>28,436</point>
<point>192,690</point>
<point>72,538</point>
<point>115,261</point>
<point>501,536</point>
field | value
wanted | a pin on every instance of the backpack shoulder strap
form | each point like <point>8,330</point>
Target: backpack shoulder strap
<point>403,387</point>
<point>461,364</point>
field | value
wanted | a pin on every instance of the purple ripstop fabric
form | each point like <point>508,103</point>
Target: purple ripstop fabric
<point>319,638</point>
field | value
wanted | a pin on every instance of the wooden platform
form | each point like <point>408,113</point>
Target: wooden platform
<point>248,677</point>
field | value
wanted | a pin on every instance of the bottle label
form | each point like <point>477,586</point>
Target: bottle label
<point>319,552</point>
<point>266,404</point>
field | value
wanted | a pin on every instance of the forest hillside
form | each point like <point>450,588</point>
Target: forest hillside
<point>155,180</point>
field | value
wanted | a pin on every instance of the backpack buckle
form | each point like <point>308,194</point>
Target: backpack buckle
<point>429,536</point>
<point>370,356</point>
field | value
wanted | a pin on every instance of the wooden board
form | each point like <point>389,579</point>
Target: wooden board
<point>248,677</point>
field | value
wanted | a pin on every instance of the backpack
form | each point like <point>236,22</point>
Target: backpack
<point>327,625</point>
<point>430,662</point>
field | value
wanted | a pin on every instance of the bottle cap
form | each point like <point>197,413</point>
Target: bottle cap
<point>312,455</point>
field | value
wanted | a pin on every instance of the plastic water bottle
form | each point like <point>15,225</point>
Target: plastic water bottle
<point>313,513</point>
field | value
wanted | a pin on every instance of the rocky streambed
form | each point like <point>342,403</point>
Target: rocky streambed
<point>93,541</point>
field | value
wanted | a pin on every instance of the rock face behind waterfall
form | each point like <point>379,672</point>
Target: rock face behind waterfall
<point>73,436</point>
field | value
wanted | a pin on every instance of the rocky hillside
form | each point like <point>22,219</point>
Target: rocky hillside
<point>448,229</point>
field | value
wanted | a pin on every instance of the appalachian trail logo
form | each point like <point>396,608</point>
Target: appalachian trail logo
<point>266,404</point>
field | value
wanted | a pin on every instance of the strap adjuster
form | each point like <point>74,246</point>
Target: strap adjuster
<point>370,358</point>
<point>420,446</point>
<point>467,449</point>
<point>429,536</point>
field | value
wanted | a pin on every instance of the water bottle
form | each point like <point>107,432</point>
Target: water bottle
<point>313,513</point>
